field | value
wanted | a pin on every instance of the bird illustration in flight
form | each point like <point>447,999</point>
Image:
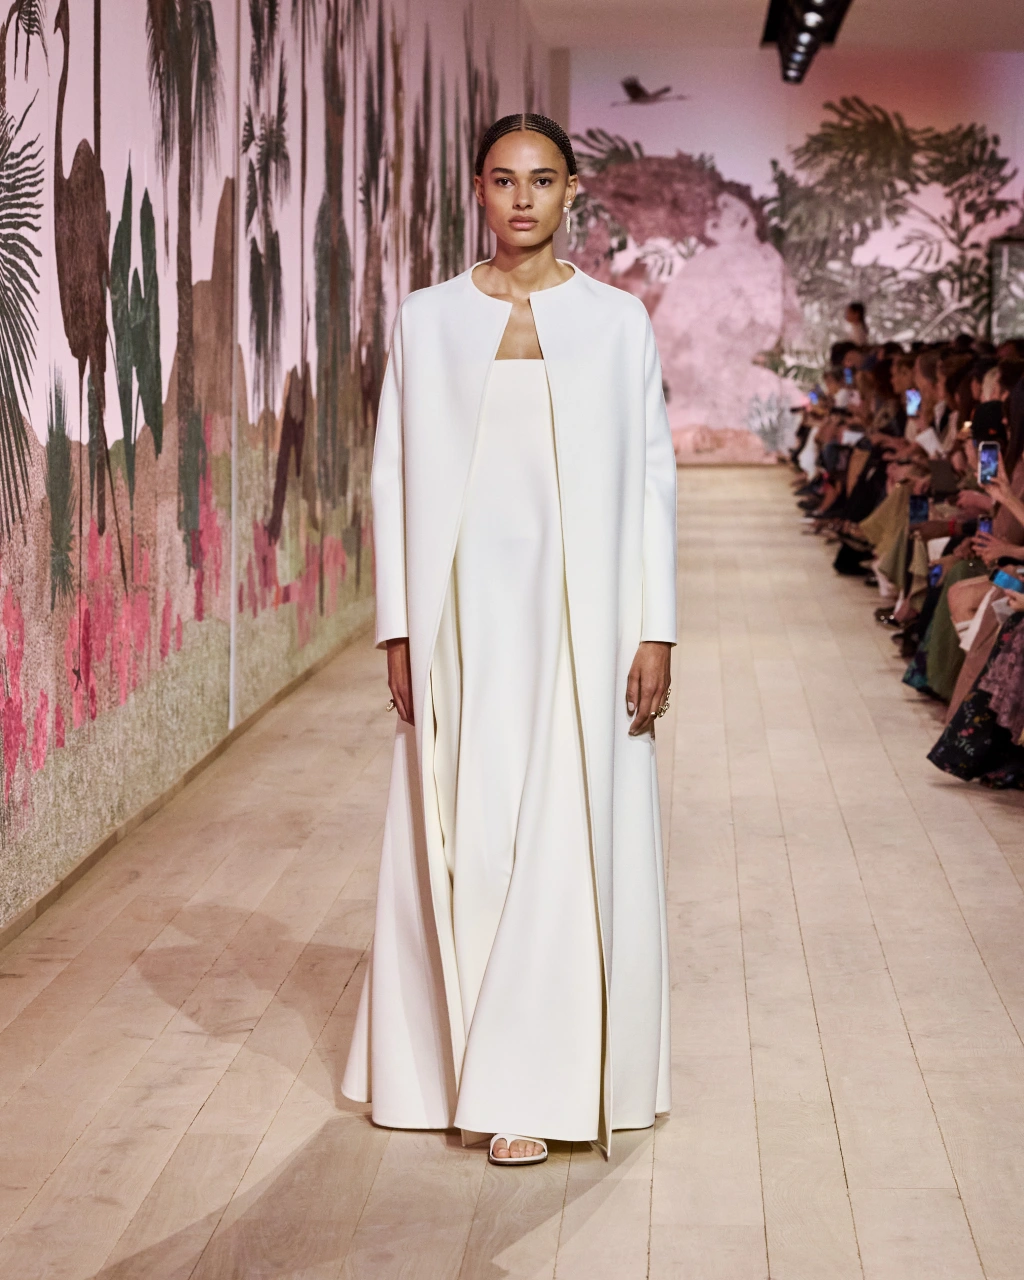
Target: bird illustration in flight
<point>638,96</point>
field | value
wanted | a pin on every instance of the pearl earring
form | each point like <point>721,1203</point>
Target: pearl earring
<point>568,224</point>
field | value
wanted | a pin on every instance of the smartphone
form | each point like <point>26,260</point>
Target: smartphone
<point>814,397</point>
<point>848,375</point>
<point>935,575</point>
<point>919,508</point>
<point>912,398</point>
<point>984,524</point>
<point>1007,581</point>
<point>988,461</point>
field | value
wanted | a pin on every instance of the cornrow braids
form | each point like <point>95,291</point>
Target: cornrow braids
<point>536,124</point>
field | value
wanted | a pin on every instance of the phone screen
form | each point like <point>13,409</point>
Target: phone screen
<point>848,376</point>
<point>913,402</point>
<point>988,462</point>
<point>918,508</point>
<point>984,524</point>
<point>1007,581</point>
<point>813,397</point>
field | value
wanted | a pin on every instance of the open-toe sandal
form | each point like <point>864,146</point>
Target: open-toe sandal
<point>509,1138</point>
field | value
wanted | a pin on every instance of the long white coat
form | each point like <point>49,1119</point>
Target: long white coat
<point>617,482</point>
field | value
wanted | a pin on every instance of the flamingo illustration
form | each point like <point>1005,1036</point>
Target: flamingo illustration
<point>638,96</point>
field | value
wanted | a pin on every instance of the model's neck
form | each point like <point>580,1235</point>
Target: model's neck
<point>526,271</point>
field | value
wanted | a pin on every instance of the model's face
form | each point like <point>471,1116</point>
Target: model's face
<point>524,189</point>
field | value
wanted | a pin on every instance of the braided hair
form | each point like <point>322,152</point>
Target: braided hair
<point>536,124</point>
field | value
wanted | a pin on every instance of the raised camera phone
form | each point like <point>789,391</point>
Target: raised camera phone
<point>919,508</point>
<point>1007,581</point>
<point>912,399</point>
<point>984,524</point>
<point>988,461</point>
<point>848,376</point>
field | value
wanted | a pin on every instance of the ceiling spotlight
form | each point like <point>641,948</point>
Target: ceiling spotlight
<point>798,28</point>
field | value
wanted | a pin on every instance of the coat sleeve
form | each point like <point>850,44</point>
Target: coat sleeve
<point>659,553</point>
<point>387,488</point>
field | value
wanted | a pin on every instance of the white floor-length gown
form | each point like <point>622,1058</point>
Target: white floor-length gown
<point>508,768</point>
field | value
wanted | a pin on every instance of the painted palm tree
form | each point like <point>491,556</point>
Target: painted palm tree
<point>186,91</point>
<point>21,184</point>
<point>374,198</point>
<point>81,245</point>
<point>336,385</point>
<point>305,17</point>
<point>298,405</point>
<point>423,199</point>
<point>268,178</point>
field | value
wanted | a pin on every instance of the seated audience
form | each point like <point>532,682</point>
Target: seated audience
<point>888,449</point>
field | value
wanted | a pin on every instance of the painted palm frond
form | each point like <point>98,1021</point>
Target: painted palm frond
<point>374,125</point>
<point>60,492</point>
<point>163,61</point>
<point>264,23</point>
<point>274,160</point>
<point>268,179</point>
<point>863,171</point>
<point>21,185</point>
<point>207,94</point>
<point>30,22</point>
<point>596,149</point>
<point>170,66</point>
<point>422,204</point>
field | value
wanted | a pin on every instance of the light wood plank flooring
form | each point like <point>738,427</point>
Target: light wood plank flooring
<point>848,971</point>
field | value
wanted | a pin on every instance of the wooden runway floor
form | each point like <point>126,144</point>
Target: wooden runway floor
<point>847,931</point>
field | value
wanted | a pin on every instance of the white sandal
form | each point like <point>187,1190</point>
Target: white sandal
<point>509,1138</point>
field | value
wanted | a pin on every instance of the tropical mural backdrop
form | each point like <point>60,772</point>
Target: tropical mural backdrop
<point>208,211</point>
<point>747,213</point>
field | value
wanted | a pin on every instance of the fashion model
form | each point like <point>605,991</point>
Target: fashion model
<point>524,501</point>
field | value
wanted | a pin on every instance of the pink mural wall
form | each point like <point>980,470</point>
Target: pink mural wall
<point>747,212</point>
<point>188,385</point>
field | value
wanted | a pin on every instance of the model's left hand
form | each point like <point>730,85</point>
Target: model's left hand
<point>649,679</point>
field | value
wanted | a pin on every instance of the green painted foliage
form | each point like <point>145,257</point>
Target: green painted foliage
<point>135,310</point>
<point>866,169</point>
<point>59,492</point>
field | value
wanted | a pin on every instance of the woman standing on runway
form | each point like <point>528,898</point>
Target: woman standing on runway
<point>524,534</point>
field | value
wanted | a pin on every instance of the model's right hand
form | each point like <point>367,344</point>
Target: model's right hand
<point>400,677</point>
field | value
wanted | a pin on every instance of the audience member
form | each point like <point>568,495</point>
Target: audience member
<point>889,455</point>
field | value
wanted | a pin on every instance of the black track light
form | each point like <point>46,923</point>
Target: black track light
<point>799,28</point>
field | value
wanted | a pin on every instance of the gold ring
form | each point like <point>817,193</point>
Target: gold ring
<point>664,706</point>
<point>391,705</point>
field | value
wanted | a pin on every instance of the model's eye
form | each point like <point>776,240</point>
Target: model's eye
<point>543,182</point>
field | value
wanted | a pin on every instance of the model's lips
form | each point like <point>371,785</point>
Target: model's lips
<point>522,224</point>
